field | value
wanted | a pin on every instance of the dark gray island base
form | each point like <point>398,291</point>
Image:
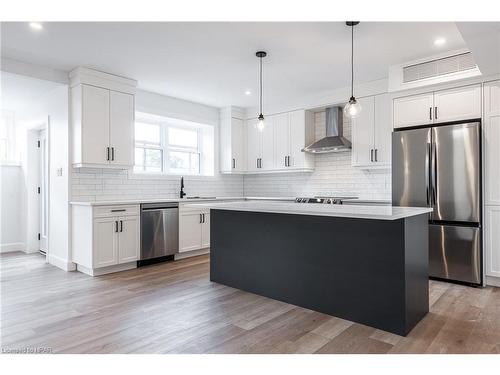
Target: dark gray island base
<point>369,271</point>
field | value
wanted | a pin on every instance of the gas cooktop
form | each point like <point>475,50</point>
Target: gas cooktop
<point>323,200</point>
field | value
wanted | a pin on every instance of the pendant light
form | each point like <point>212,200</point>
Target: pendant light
<point>353,108</point>
<point>261,124</point>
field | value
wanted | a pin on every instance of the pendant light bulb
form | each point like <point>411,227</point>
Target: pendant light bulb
<point>261,123</point>
<point>353,108</point>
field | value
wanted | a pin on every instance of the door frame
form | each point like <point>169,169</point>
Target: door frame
<point>43,185</point>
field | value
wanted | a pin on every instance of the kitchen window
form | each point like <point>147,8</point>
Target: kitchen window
<point>173,147</point>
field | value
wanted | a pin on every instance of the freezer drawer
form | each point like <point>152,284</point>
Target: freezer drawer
<point>455,253</point>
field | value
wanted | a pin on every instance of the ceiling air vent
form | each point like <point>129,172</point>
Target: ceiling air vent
<point>439,67</point>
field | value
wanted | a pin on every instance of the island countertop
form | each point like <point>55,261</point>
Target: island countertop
<point>332,210</point>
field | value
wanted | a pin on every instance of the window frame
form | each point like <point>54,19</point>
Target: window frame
<point>165,124</point>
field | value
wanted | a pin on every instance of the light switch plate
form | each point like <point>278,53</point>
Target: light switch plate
<point>59,171</point>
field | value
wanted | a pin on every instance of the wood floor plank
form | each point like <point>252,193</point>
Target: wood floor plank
<point>174,308</point>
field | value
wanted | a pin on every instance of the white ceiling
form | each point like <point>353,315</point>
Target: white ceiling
<point>214,63</point>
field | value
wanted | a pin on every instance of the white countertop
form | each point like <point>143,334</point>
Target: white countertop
<point>183,200</point>
<point>352,211</point>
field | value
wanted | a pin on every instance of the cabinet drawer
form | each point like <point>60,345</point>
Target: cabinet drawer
<point>107,211</point>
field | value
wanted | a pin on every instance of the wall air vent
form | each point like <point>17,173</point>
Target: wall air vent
<point>438,67</point>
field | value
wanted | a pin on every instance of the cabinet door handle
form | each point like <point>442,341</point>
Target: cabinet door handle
<point>257,162</point>
<point>371,154</point>
<point>121,226</point>
<point>201,220</point>
<point>107,153</point>
<point>112,153</point>
<point>203,217</point>
<point>116,226</point>
<point>430,113</point>
<point>376,155</point>
<point>234,163</point>
<point>435,113</point>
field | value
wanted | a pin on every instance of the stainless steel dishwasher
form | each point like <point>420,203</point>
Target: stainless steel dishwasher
<point>159,232</point>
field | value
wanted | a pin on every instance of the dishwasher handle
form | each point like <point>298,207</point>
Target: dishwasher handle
<point>158,206</point>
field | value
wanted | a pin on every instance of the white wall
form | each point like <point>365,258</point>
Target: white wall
<point>333,175</point>
<point>12,226</point>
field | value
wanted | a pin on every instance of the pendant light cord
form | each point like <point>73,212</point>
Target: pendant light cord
<point>352,60</point>
<point>260,85</point>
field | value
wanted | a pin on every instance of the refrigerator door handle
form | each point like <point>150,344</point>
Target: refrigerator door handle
<point>434,174</point>
<point>428,153</point>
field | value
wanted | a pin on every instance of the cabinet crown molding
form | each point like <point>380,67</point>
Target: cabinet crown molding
<point>82,75</point>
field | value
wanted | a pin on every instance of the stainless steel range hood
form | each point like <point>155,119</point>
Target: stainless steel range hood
<point>334,140</point>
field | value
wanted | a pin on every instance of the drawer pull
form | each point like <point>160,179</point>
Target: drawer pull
<point>120,210</point>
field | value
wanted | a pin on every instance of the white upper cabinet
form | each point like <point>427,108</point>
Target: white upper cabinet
<point>102,119</point>
<point>232,141</point>
<point>383,129</point>
<point>282,136</point>
<point>267,155</point>
<point>363,129</point>
<point>278,147</point>
<point>462,103</point>
<point>371,133</point>
<point>413,110</point>
<point>301,135</point>
<point>491,145</point>
<point>121,128</point>
<point>254,145</point>
<point>94,118</point>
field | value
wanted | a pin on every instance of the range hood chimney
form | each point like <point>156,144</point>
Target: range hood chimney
<point>334,140</point>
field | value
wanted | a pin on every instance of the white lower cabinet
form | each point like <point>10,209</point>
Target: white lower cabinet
<point>492,240</point>
<point>194,229</point>
<point>105,238</point>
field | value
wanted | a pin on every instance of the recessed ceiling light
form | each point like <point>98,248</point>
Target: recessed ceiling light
<point>248,92</point>
<point>36,25</point>
<point>439,41</point>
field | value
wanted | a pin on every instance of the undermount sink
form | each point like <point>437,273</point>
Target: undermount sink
<point>201,197</point>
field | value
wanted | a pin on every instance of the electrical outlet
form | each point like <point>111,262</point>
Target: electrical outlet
<point>59,171</point>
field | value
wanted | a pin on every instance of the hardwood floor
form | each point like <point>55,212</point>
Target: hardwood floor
<point>174,308</point>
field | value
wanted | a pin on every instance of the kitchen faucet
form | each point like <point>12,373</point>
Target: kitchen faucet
<point>182,194</point>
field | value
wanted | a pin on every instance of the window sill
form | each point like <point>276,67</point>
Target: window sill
<point>163,176</point>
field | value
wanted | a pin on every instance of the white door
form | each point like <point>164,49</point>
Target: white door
<point>463,103</point>
<point>95,125</point>
<point>383,129</point>
<point>121,128</point>
<point>205,230</point>
<point>253,145</point>
<point>363,133</point>
<point>413,110</point>
<point>297,158</point>
<point>189,230</point>
<point>282,140</point>
<point>492,240</point>
<point>105,249</point>
<point>267,158</point>
<point>237,145</point>
<point>128,239</point>
<point>43,190</point>
<point>491,143</point>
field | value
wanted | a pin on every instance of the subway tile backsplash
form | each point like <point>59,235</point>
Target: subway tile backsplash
<point>333,175</point>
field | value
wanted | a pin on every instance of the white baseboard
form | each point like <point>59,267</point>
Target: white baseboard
<point>61,263</point>
<point>493,281</point>
<point>189,254</point>
<point>14,246</point>
<point>106,270</point>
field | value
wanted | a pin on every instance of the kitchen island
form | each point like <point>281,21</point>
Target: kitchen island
<point>367,264</point>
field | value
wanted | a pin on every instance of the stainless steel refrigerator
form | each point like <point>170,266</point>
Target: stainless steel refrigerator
<point>440,167</point>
